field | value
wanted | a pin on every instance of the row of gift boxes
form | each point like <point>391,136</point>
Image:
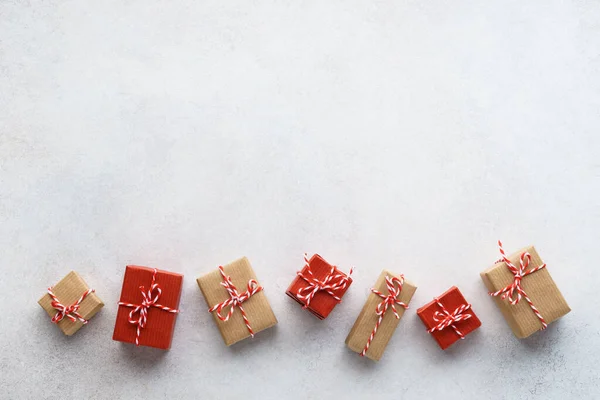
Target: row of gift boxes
<point>520,284</point>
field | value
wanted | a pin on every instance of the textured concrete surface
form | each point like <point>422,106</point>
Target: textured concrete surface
<point>407,135</point>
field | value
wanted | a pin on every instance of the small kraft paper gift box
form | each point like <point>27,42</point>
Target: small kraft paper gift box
<point>524,291</point>
<point>449,318</point>
<point>237,301</point>
<point>319,286</point>
<point>380,315</point>
<point>71,303</point>
<point>148,307</point>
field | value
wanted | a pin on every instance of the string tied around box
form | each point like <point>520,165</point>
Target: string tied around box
<point>235,299</point>
<point>139,315</point>
<point>447,319</point>
<point>394,287</point>
<point>71,312</point>
<point>514,291</point>
<point>332,283</point>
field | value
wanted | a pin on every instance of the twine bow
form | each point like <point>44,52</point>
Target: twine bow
<point>235,299</point>
<point>139,315</point>
<point>71,312</point>
<point>394,287</point>
<point>514,292</point>
<point>333,282</point>
<point>447,319</point>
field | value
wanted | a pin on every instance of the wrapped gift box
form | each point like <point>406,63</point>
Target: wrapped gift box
<point>538,287</point>
<point>148,307</point>
<point>449,318</point>
<point>241,320</point>
<point>79,301</point>
<point>319,284</point>
<point>377,321</point>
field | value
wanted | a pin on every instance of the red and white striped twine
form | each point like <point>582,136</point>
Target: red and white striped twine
<point>333,282</point>
<point>71,312</point>
<point>394,287</point>
<point>235,299</point>
<point>447,319</point>
<point>514,291</point>
<point>149,299</point>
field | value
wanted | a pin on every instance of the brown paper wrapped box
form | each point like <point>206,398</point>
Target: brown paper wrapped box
<point>367,319</point>
<point>68,291</point>
<point>257,308</point>
<point>540,288</point>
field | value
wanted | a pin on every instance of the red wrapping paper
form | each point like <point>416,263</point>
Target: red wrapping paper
<point>451,299</point>
<point>322,303</point>
<point>160,325</point>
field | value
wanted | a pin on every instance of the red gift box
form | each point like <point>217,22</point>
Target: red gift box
<point>319,286</point>
<point>148,307</point>
<point>449,317</point>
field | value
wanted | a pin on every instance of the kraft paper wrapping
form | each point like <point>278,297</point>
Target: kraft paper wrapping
<point>257,307</point>
<point>68,291</point>
<point>360,332</point>
<point>540,288</point>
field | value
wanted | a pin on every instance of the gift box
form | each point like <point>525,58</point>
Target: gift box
<point>319,286</point>
<point>380,315</point>
<point>71,303</point>
<point>237,301</point>
<point>524,291</point>
<point>449,318</point>
<point>148,307</point>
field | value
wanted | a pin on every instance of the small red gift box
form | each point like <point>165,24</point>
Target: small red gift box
<point>148,307</point>
<point>319,286</point>
<point>449,318</point>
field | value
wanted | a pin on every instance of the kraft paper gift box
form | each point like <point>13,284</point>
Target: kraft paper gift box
<point>240,320</point>
<point>449,318</point>
<point>73,305</point>
<point>148,307</point>
<point>547,302</point>
<point>305,287</point>
<point>376,324</point>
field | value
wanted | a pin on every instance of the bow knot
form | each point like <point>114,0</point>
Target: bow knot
<point>71,312</point>
<point>63,311</point>
<point>332,283</point>
<point>448,319</point>
<point>139,315</point>
<point>514,291</point>
<point>394,287</point>
<point>235,299</point>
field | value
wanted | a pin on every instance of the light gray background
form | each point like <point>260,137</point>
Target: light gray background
<point>407,135</point>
